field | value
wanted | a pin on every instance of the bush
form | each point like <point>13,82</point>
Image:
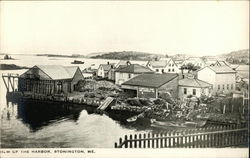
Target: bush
<point>145,102</point>
<point>159,101</point>
<point>134,102</point>
<point>91,95</point>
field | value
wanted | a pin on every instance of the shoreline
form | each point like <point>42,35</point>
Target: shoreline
<point>12,67</point>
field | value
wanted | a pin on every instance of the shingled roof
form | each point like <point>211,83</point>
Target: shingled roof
<point>151,80</point>
<point>222,69</point>
<point>134,68</point>
<point>56,72</point>
<point>193,82</point>
<point>107,67</point>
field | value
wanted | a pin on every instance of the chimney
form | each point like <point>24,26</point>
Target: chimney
<point>128,63</point>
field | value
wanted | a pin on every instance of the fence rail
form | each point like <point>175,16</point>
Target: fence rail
<point>189,138</point>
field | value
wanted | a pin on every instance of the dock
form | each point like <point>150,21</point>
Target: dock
<point>10,81</point>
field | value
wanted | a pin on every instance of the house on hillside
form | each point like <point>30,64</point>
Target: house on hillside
<point>152,85</point>
<point>193,86</point>
<point>223,78</point>
<point>217,63</point>
<point>196,61</point>
<point>103,69</point>
<point>120,64</point>
<point>50,79</point>
<point>125,73</point>
<point>163,66</point>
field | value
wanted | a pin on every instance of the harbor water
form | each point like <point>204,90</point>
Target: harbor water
<point>33,125</point>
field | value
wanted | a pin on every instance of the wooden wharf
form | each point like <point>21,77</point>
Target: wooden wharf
<point>10,81</point>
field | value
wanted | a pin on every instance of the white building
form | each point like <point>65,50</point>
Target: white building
<point>194,87</point>
<point>167,65</point>
<point>196,61</point>
<point>223,78</point>
<point>103,69</point>
<point>123,74</point>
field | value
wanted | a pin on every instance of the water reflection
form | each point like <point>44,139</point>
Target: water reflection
<point>40,124</point>
<point>36,114</point>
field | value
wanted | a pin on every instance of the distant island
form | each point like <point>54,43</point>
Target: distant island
<point>64,56</point>
<point>125,55</point>
<point>7,57</point>
<point>12,67</point>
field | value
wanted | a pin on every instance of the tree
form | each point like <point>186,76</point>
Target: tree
<point>190,67</point>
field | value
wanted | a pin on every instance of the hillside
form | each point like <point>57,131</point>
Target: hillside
<point>238,57</point>
<point>125,55</point>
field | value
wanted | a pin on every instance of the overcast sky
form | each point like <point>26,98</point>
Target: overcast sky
<point>167,27</point>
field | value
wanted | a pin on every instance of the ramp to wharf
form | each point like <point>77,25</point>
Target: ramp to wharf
<point>106,103</point>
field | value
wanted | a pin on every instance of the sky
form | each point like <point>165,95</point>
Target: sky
<point>163,27</point>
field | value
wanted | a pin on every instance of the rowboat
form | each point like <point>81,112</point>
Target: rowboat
<point>181,124</point>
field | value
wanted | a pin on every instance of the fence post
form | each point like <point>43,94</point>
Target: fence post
<point>130,141</point>
<point>153,141</point>
<point>157,140</point>
<point>212,138</point>
<point>148,140</point>
<point>126,141</point>
<point>115,145</point>
<point>120,142</point>
<point>161,140</point>
<point>140,141</point>
<point>185,138</point>
<point>200,138</point>
<point>135,141</point>
<point>144,142</point>
<point>178,139</point>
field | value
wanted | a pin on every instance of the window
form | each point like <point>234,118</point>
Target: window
<point>218,87</point>
<point>157,70</point>
<point>227,86</point>
<point>173,70</point>
<point>169,70</point>
<point>223,86</point>
<point>129,75</point>
<point>232,86</point>
<point>172,65</point>
<point>194,91</point>
<point>185,91</point>
<point>169,65</point>
<point>162,70</point>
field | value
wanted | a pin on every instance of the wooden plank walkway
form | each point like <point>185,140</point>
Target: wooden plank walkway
<point>106,103</point>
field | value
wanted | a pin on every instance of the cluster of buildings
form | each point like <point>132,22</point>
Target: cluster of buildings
<point>155,78</point>
<point>167,76</point>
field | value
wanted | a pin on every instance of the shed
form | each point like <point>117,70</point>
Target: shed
<point>152,85</point>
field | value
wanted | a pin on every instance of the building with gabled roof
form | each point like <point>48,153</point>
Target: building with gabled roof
<point>120,64</point>
<point>223,78</point>
<point>152,85</point>
<point>103,69</point>
<point>123,74</point>
<point>165,65</point>
<point>50,79</point>
<point>194,87</point>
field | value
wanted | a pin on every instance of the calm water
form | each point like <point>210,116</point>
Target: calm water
<point>27,125</point>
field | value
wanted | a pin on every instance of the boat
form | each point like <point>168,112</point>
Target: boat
<point>134,118</point>
<point>180,124</point>
<point>77,62</point>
